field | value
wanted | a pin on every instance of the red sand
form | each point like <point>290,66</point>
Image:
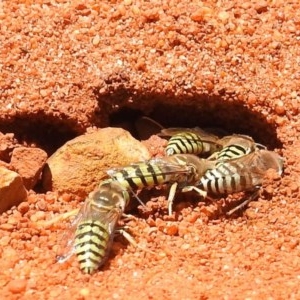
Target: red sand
<point>68,65</point>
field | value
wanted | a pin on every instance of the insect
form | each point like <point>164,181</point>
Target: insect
<point>206,144</point>
<point>91,234</point>
<point>235,146</point>
<point>244,173</point>
<point>178,169</point>
<point>191,141</point>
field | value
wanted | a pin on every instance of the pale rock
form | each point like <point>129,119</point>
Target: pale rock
<point>12,190</point>
<point>81,164</point>
<point>28,162</point>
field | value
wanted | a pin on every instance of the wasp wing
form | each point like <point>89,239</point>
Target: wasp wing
<point>204,136</point>
<point>66,245</point>
<point>156,166</point>
<point>250,169</point>
<point>260,161</point>
<point>91,213</point>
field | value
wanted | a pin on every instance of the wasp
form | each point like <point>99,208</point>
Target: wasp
<point>206,144</point>
<point>244,173</point>
<point>235,146</point>
<point>92,231</point>
<point>177,170</point>
<point>191,141</point>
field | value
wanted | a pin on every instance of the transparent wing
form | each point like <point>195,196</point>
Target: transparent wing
<point>157,166</point>
<point>237,139</point>
<point>256,164</point>
<point>66,246</point>
<point>91,213</point>
<point>203,135</point>
<point>260,160</point>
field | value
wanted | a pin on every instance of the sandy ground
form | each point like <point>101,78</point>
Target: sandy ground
<point>66,66</point>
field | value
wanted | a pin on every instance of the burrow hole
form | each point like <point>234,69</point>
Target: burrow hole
<point>50,133</point>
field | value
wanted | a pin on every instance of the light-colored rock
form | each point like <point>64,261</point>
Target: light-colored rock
<point>28,163</point>
<point>79,165</point>
<point>12,190</point>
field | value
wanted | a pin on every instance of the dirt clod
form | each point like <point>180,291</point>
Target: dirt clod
<point>80,165</point>
<point>28,162</point>
<point>17,286</point>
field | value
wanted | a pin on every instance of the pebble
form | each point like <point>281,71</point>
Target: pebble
<point>23,207</point>
<point>17,286</point>
<point>96,40</point>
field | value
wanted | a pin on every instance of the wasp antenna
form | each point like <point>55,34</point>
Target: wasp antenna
<point>146,127</point>
<point>138,199</point>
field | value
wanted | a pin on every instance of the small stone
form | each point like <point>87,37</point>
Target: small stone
<point>279,108</point>
<point>96,40</point>
<point>261,6</point>
<point>66,197</point>
<point>185,246</point>
<point>17,286</point>
<point>294,187</point>
<point>201,13</point>
<point>39,215</point>
<point>7,227</point>
<point>224,16</point>
<point>85,292</point>
<point>81,6</point>
<point>252,99</point>
<point>44,92</point>
<point>171,229</point>
<point>12,190</point>
<point>28,162</point>
<point>135,9</point>
<point>23,207</point>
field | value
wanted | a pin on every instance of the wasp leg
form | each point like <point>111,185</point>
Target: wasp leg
<point>127,217</point>
<point>199,191</point>
<point>132,241</point>
<point>171,197</point>
<point>138,199</point>
<point>49,223</point>
<point>243,204</point>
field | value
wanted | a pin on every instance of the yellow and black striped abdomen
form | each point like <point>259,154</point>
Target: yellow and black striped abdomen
<point>242,174</point>
<point>92,241</point>
<point>232,152</point>
<point>228,178</point>
<point>186,143</point>
<point>142,175</point>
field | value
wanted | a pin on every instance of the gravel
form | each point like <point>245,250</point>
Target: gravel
<point>69,65</point>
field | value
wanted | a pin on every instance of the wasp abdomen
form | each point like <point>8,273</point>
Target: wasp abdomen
<point>91,244</point>
<point>185,142</point>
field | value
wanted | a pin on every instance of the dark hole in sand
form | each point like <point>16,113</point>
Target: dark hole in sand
<point>48,133</point>
<point>212,113</point>
<point>123,108</point>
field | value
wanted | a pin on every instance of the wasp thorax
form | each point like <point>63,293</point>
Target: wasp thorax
<point>198,165</point>
<point>110,194</point>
